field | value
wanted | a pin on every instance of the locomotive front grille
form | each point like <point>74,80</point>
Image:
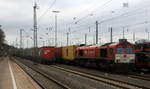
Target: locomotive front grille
<point>124,58</point>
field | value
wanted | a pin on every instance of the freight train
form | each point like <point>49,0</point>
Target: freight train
<point>142,51</point>
<point>110,56</point>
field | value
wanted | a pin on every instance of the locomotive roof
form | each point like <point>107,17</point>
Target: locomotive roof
<point>109,44</point>
<point>106,44</point>
<point>47,47</point>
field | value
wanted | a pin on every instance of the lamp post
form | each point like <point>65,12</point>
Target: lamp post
<point>35,7</point>
<point>55,26</point>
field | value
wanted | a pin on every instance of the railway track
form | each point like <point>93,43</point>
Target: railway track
<point>116,83</point>
<point>45,75</point>
<point>139,76</point>
<point>106,80</point>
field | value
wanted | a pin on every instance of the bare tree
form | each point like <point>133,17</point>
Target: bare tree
<point>2,36</point>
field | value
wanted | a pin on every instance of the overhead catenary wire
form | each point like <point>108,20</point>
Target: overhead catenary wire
<point>109,19</point>
<point>103,5</point>
<point>51,5</point>
<point>86,10</point>
<point>82,27</point>
<point>129,25</point>
<point>121,26</point>
<point>124,14</point>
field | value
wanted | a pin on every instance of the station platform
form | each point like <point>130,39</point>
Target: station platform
<point>13,77</point>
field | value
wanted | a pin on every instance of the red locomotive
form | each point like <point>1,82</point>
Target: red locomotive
<point>47,54</point>
<point>109,56</point>
<point>142,51</point>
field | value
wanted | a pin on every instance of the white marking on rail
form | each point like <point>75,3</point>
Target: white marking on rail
<point>12,76</point>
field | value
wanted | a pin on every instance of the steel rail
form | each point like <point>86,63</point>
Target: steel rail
<point>45,75</point>
<point>139,77</point>
<point>117,83</point>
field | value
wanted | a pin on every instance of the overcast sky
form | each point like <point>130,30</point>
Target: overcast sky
<point>18,14</point>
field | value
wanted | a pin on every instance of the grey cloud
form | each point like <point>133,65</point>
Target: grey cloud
<point>17,14</point>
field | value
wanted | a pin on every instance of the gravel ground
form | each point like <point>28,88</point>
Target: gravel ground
<point>72,80</point>
<point>75,81</point>
<point>78,82</point>
<point>41,79</point>
<point>108,75</point>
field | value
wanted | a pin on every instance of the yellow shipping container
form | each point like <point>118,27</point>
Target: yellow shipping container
<point>68,52</point>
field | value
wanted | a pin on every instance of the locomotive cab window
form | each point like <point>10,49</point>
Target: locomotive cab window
<point>120,50</point>
<point>129,50</point>
<point>103,52</point>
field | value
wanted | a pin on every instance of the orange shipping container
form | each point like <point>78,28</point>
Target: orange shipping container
<point>69,52</point>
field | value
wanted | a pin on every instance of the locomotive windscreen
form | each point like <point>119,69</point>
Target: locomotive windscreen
<point>129,50</point>
<point>120,50</point>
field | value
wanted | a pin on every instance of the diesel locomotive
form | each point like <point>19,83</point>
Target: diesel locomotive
<point>142,51</point>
